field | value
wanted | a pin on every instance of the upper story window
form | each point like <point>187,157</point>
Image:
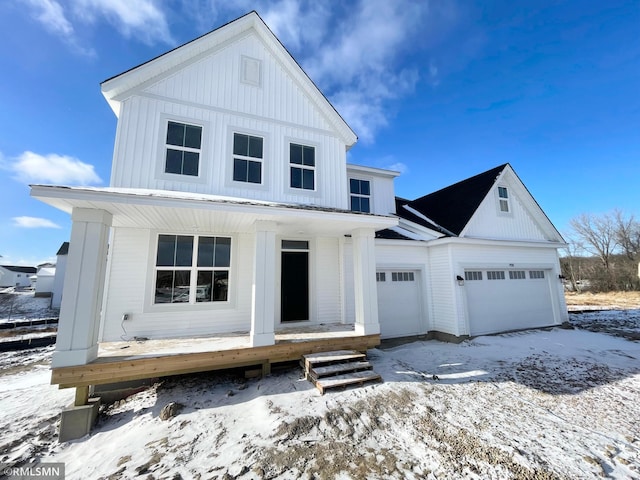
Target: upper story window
<point>192,269</point>
<point>183,143</point>
<point>503,197</point>
<point>247,158</point>
<point>302,159</point>
<point>360,191</point>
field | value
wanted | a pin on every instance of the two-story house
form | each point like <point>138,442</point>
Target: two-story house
<point>232,208</point>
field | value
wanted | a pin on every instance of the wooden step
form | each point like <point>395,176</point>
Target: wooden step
<point>338,368</point>
<point>354,378</point>
<point>326,358</point>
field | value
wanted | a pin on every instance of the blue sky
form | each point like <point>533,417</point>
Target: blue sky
<point>440,90</point>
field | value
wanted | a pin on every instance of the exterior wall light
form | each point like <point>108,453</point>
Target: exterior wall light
<point>460,280</point>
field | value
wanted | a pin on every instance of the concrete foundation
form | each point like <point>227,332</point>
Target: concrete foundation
<point>77,421</point>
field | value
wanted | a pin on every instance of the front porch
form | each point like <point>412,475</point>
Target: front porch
<point>136,360</point>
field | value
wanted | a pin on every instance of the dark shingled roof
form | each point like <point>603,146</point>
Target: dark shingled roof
<point>18,269</point>
<point>412,217</point>
<point>453,206</point>
<point>64,249</point>
<point>389,234</point>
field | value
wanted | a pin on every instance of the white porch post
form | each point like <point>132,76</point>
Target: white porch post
<point>364,277</point>
<point>77,342</point>
<point>263,306</point>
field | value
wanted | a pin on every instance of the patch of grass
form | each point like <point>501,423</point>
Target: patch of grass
<point>614,300</point>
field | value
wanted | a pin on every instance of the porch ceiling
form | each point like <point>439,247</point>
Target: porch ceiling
<point>179,211</point>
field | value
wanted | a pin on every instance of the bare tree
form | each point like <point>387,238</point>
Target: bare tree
<point>628,235</point>
<point>598,235</point>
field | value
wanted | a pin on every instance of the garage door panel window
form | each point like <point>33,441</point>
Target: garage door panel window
<point>517,275</point>
<point>381,277</point>
<point>473,275</point>
<point>495,275</point>
<point>402,277</point>
<point>536,274</point>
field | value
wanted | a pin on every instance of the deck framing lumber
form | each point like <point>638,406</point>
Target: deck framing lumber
<point>106,370</point>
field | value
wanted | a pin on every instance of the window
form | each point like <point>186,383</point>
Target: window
<point>181,280</point>
<point>473,275</point>
<point>303,166</point>
<point>536,274</point>
<point>402,277</point>
<point>503,197</point>
<point>516,275</point>
<point>495,275</point>
<point>183,149</point>
<point>360,195</point>
<point>381,277</point>
<point>247,158</point>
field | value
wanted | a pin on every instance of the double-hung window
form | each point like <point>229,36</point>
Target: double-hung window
<point>503,198</point>
<point>192,269</point>
<point>302,159</point>
<point>183,143</point>
<point>360,195</point>
<point>247,158</point>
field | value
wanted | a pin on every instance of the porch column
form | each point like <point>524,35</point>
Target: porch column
<point>263,305</point>
<point>77,342</point>
<point>364,277</point>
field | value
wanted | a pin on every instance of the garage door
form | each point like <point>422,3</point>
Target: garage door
<point>399,303</point>
<point>502,300</point>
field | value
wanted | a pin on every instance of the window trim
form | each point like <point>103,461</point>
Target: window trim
<point>203,161</point>
<point>229,162</point>
<point>359,195</point>
<point>150,306</point>
<point>507,200</point>
<point>287,170</point>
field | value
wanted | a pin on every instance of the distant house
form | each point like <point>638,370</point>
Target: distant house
<point>61,268</point>
<point>44,279</point>
<point>232,208</point>
<point>16,276</point>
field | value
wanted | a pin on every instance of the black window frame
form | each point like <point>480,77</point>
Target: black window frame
<point>183,150</point>
<point>302,166</point>
<point>248,163</point>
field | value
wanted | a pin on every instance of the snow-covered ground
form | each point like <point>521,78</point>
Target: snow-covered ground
<point>539,404</point>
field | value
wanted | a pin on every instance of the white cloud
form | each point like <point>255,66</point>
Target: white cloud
<point>52,16</point>
<point>31,167</point>
<point>353,53</point>
<point>34,222</point>
<point>140,18</point>
<point>398,167</point>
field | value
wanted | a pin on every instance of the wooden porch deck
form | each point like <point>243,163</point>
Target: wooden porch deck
<point>135,360</point>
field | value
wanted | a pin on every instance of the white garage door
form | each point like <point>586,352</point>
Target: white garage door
<point>502,300</point>
<point>399,303</point>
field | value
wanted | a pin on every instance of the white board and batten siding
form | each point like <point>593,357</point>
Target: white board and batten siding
<point>211,94</point>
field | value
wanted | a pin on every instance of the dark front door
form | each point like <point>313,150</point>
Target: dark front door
<point>295,286</point>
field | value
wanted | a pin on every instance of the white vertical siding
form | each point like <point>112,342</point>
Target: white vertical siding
<point>441,276</point>
<point>209,92</point>
<point>328,297</point>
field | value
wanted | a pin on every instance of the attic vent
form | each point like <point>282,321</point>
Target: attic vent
<point>251,71</point>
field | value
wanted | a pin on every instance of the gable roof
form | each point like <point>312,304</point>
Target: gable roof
<point>64,249</point>
<point>19,269</point>
<point>450,209</point>
<point>116,88</point>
